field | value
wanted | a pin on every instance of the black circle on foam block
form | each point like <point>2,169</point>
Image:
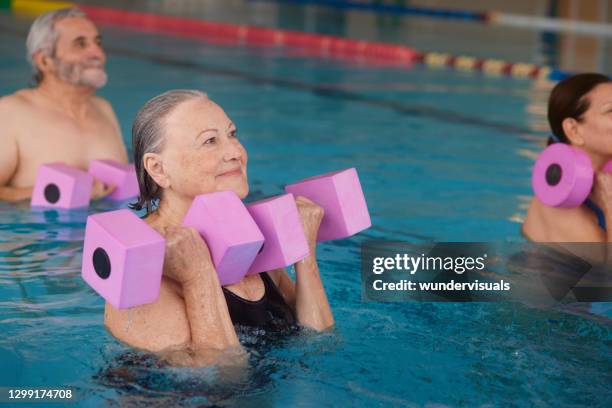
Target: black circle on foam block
<point>52,193</point>
<point>553,174</point>
<point>101,263</point>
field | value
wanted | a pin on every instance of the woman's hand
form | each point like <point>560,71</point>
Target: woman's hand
<point>100,190</point>
<point>311,215</point>
<point>602,191</point>
<point>187,255</point>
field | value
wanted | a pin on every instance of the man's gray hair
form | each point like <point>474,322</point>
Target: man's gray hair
<point>43,36</point>
<point>148,137</point>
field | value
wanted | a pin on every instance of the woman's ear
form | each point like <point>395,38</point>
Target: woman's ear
<point>154,166</point>
<point>572,131</point>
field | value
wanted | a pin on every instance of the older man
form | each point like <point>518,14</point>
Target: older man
<point>60,119</point>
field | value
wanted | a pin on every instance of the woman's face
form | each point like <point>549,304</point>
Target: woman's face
<point>595,128</point>
<point>202,153</point>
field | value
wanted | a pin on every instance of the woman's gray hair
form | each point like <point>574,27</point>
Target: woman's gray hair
<point>43,36</point>
<point>148,137</point>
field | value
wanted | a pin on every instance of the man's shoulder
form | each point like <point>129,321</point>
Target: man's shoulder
<point>105,108</point>
<point>102,104</point>
<point>14,107</point>
<point>18,100</point>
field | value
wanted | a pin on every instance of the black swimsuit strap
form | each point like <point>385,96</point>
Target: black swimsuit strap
<point>241,299</point>
<point>270,310</point>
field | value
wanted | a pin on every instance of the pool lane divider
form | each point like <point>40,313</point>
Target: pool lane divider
<point>312,44</point>
<point>549,24</point>
<point>395,9</point>
<point>558,25</point>
<point>309,44</point>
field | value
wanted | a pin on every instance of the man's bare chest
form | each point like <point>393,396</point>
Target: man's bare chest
<point>46,138</point>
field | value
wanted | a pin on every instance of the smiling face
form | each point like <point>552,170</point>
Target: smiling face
<point>78,57</point>
<point>201,152</point>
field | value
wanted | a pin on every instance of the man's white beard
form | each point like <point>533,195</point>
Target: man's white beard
<point>90,74</point>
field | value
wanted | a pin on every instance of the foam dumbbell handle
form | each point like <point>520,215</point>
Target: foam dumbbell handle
<point>285,243</point>
<point>123,257</point>
<point>122,176</point>
<point>341,197</point>
<point>232,236</point>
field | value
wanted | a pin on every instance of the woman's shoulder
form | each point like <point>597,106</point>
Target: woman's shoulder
<point>155,326</point>
<point>552,224</point>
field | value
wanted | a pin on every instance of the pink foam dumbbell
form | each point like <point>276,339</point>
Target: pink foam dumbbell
<point>563,176</point>
<point>61,186</point>
<point>230,232</point>
<point>123,258</point>
<point>279,221</point>
<point>340,195</point>
<point>122,176</point>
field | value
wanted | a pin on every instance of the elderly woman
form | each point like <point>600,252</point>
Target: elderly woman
<point>185,145</point>
<point>580,114</point>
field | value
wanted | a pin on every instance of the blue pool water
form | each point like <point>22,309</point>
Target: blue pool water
<point>442,156</point>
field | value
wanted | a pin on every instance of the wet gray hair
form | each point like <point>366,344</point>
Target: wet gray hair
<point>148,134</point>
<point>43,36</point>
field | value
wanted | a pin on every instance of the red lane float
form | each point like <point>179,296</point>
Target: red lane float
<point>227,33</point>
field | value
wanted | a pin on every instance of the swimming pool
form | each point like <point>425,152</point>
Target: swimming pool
<point>442,156</point>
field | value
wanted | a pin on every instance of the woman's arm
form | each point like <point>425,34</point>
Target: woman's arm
<point>163,328</point>
<point>188,261</point>
<point>308,296</point>
<point>193,328</point>
<point>311,305</point>
<point>602,196</point>
<point>207,312</point>
<point>155,327</point>
<point>15,193</point>
<point>575,230</point>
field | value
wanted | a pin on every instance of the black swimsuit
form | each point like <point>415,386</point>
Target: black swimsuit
<point>270,312</point>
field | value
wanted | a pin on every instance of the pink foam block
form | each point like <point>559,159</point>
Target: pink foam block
<point>340,195</point>
<point>61,186</point>
<point>279,221</point>
<point>562,176</point>
<point>122,176</point>
<point>230,233</point>
<point>123,258</point>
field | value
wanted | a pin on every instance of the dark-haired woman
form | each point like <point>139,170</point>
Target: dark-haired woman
<point>185,145</point>
<point>579,114</point>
